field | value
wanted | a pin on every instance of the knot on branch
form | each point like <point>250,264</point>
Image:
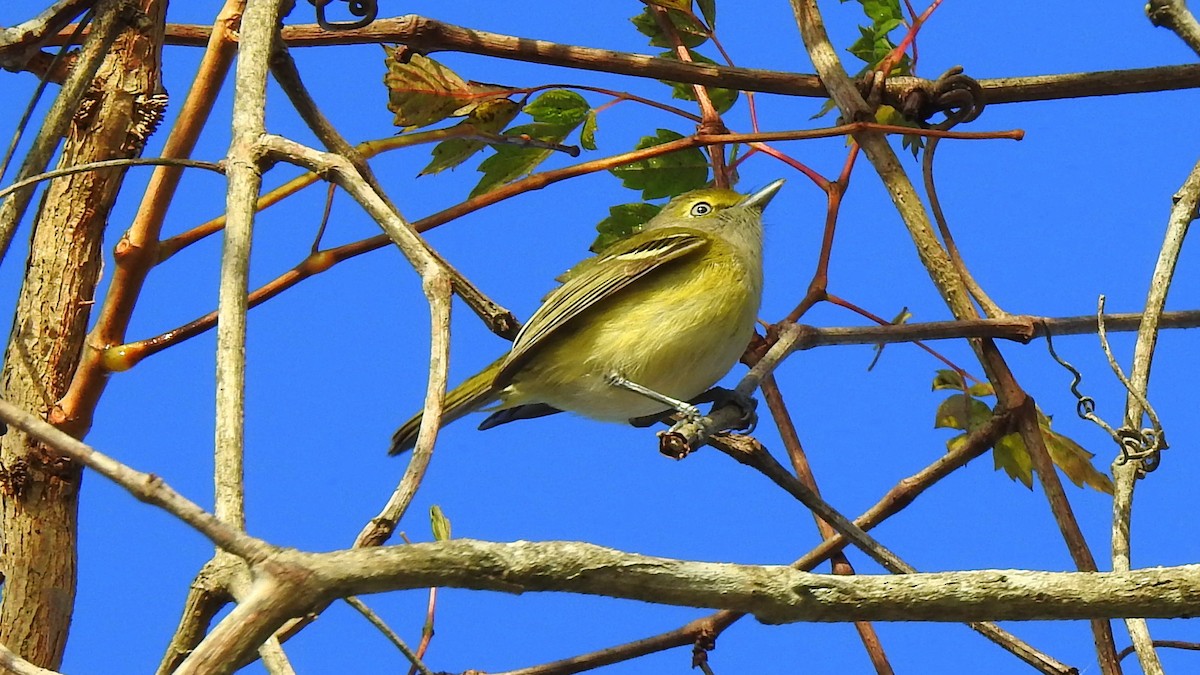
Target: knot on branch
<point>713,127</point>
<point>959,97</point>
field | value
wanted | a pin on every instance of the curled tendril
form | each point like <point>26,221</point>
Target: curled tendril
<point>366,10</point>
<point>959,96</point>
<point>1143,446</point>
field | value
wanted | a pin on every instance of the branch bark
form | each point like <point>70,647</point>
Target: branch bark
<point>38,486</point>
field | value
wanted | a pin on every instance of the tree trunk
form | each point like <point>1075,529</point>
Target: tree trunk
<point>38,488</point>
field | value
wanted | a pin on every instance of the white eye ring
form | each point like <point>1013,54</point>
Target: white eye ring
<point>701,209</point>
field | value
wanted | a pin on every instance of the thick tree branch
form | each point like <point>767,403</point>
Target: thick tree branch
<point>430,35</point>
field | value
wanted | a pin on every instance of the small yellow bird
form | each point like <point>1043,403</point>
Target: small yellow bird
<point>657,318</point>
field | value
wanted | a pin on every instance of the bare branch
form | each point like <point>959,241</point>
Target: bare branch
<point>1175,15</point>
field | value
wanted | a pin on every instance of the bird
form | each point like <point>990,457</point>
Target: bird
<point>650,322</point>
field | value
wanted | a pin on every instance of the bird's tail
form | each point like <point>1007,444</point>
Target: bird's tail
<point>466,398</point>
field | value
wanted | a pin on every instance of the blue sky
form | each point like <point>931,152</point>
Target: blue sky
<point>335,364</point>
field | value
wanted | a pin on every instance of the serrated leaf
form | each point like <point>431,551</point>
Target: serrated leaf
<point>666,175</point>
<point>946,378</point>
<point>961,412</point>
<point>1073,460</point>
<point>557,113</point>
<point>691,34</point>
<point>708,8</point>
<point>913,143</point>
<point>558,106</point>
<point>423,91</point>
<point>622,221</point>
<point>491,116</point>
<point>440,523</point>
<point>1010,454</point>
<point>722,99</point>
<point>587,135</point>
<point>513,161</point>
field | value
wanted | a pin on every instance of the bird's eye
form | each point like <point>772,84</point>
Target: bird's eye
<point>701,209</point>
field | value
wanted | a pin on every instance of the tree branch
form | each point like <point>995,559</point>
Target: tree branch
<point>430,35</point>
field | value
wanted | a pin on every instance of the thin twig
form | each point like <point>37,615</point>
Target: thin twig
<point>218,167</point>
<point>800,465</point>
<point>390,634</point>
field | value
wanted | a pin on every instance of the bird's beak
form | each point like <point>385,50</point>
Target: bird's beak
<point>760,199</point>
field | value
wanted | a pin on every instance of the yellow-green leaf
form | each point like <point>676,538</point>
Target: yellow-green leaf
<point>1010,454</point>
<point>981,389</point>
<point>490,116</point>
<point>1074,461</point>
<point>422,91</point>
<point>962,412</point>
<point>587,135</point>
<point>557,113</point>
<point>947,379</point>
<point>440,523</point>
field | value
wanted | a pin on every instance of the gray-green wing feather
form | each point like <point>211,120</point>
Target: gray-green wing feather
<point>591,283</point>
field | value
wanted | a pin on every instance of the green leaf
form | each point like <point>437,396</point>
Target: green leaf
<point>666,175</point>
<point>709,9</point>
<point>587,136</point>
<point>440,523</point>
<point>423,91</point>
<point>947,379</point>
<point>691,33</point>
<point>558,106</point>
<point>491,116</point>
<point>622,221</point>
<point>882,10</point>
<point>722,99</point>
<point>557,113</point>
<point>513,161</point>
<point>962,412</point>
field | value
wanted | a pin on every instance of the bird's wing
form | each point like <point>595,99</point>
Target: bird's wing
<point>593,281</point>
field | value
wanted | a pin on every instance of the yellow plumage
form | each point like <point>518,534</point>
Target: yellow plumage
<point>670,308</point>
